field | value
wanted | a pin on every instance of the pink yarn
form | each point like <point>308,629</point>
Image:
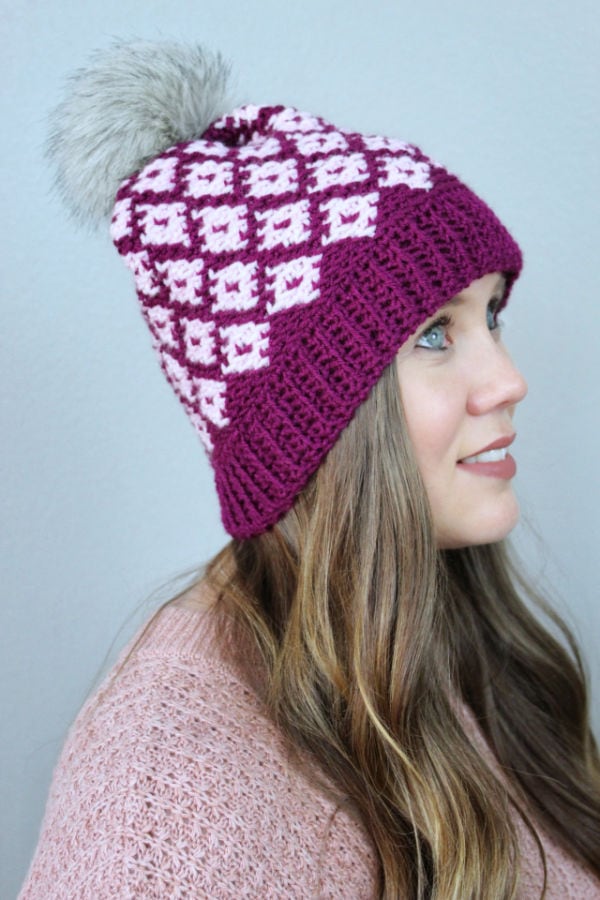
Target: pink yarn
<point>173,783</point>
<point>280,263</point>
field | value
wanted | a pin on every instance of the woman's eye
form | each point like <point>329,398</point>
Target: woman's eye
<point>435,338</point>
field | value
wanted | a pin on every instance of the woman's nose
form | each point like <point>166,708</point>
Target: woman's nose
<point>497,383</point>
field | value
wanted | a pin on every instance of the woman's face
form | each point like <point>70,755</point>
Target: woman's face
<point>459,390</point>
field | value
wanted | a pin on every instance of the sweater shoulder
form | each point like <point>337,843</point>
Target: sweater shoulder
<point>174,782</point>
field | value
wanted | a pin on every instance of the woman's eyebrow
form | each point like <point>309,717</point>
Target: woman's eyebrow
<point>500,287</point>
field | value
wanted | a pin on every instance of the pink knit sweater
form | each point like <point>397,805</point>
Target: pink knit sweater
<point>173,784</point>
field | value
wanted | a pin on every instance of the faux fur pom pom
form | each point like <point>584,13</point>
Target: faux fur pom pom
<point>134,100</point>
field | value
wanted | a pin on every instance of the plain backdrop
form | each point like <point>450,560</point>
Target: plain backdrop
<point>106,493</point>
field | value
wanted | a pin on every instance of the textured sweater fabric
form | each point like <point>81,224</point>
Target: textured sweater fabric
<point>173,783</point>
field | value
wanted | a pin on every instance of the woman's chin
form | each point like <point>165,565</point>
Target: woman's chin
<point>484,527</point>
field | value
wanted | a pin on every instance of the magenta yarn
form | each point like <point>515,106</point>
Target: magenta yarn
<point>280,263</point>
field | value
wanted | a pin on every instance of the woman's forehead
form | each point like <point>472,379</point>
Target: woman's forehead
<point>497,282</point>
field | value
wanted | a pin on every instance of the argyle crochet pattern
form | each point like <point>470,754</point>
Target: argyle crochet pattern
<point>280,263</point>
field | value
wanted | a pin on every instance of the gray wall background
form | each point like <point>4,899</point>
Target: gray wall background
<point>106,494</point>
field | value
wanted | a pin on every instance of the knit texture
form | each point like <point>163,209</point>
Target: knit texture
<point>174,784</point>
<point>280,263</point>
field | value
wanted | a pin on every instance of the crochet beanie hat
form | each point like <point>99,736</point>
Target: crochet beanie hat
<point>280,262</point>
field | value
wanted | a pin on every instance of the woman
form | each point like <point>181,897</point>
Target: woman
<point>354,700</point>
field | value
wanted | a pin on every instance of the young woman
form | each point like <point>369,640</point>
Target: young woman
<point>355,699</point>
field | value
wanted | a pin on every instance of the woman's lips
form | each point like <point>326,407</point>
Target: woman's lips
<point>503,468</point>
<point>494,460</point>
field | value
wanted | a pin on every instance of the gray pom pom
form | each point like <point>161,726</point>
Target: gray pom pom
<point>134,101</point>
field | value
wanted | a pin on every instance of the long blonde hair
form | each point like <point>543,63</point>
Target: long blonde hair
<point>373,641</point>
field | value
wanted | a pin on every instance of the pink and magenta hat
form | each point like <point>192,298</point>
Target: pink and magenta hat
<point>280,263</point>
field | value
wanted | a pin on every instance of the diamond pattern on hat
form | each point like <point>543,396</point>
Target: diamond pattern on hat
<point>293,283</point>
<point>338,169</point>
<point>346,217</point>
<point>261,148</point>
<point>163,223</point>
<point>238,118</point>
<point>234,288</point>
<point>162,325</point>
<point>120,225</point>
<point>404,170</point>
<point>179,377</point>
<point>377,142</point>
<point>245,347</point>
<point>319,142</point>
<point>211,396</point>
<point>223,228</point>
<point>143,273</point>
<point>270,178</point>
<point>209,178</point>
<point>200,343</point>
<point>183,277</point>
<point>204,148</point>
<point>280,262</point>
<point>285,225</point>
<point>289,119</point>
<point>157,176</point>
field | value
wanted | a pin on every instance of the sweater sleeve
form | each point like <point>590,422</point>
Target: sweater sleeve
<point>172,783</point>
